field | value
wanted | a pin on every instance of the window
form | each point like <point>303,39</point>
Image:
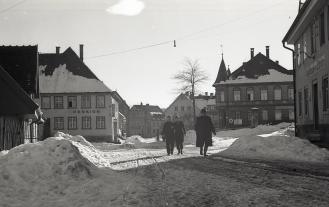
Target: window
<point>322,29</point>
<point>100,122</point>
<point>71,122</point>
<point>299,52</point>
<point>58,102</point>
<point>290,93</point>
<point>250,94</point>
<point>291,114</point>
<point>277,94</point>
<point>221,96</point>
<point>100,101</point>
<point>264,115</point>
<point>306,100</point>
<point>249,115</point>
<point>325,93</point>
<point>176,108</point>
<point>263,94</point>
<point>236,94</point>
<point>300,104</point>
<point>305,50</point>
<point>278,115</point>
<point>313,37</point>
<point>72,102</point>
<point>45,102</point>
<point>237,115</point>
<point>85,102</point>
<point>86,122</point>
<point>58,123</point>
<point>182,108</point>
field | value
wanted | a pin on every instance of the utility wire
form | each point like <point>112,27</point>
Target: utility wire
<point>12,6</point>
<point>188,35</point>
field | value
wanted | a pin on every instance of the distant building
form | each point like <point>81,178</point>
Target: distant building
<point>309,34</point>
<point>182,107</point>
<point>123,113</point>
<point>145,120</point>
<point>19,113</point>
<point>259,91</point>
<point>74,100</point>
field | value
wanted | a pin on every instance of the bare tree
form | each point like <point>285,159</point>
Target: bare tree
<point>190,79</point>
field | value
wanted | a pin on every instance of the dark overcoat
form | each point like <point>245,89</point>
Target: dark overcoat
<point>168,131</point>
<point>203,129</point>
<point>179,131</point>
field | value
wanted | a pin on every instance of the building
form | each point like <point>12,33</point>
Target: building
<point>19,113</point>
<point>259,91</point>
<point>145,120</point>
<point>74,100</point>
<point>182,107</point>
<point>309,35</point>
<point>123,113</point>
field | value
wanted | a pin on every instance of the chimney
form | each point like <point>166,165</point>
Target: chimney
<point>252,54</point>
<point>57,50</point>
<point>81,52</point>
<point>268,51</point>
<point>206,93</point>
<point>277,62</point>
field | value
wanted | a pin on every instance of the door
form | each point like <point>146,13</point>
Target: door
<point>315,106</point>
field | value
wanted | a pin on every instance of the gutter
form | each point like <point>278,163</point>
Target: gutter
<point>294,81</point>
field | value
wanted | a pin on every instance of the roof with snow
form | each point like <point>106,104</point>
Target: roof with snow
<point>21,62</point>
<point>259,69</point>
<point>152,109</point>
<point>14,100</point>
<point>66,73</point>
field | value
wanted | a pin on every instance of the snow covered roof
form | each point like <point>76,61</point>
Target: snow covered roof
<point>66,73</point>
<point>259,69</point>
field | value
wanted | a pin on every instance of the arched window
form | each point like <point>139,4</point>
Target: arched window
<point>277,93</point>
<point>250,94</point>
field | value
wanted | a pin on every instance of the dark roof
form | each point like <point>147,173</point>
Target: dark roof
<point>14,100</point>
<point>299,15</point>
<point>147,108</point>
<point>257,66</point>
<point>21,62</point>
<point>222,73</point>
<point>73,63</point>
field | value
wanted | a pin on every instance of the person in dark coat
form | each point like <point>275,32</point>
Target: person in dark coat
<point>179,133</point>
<point>203,129</point>
<point>168,135</point>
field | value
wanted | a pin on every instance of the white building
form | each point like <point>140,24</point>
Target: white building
<point>74,100</point>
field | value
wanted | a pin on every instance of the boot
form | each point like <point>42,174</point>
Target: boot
<point>205,151</point>
<point>201,150</point>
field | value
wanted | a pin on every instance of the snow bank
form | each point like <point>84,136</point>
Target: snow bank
<point>276,146</point>
<point>137,141</point>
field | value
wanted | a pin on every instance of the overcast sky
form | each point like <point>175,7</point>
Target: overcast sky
<point>106,27</point>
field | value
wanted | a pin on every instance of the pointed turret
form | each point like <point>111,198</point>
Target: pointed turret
<point>222,74</point>
<point>228,72</point>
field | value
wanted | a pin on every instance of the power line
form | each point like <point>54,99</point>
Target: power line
<point>12,6</point>
<point>190,34</point>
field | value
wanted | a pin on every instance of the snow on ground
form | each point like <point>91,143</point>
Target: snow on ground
<point>278,145</point>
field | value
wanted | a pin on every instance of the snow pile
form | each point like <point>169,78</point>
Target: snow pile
<point>86,149</point>
<point>276,146</point>
<point>190,137</point>
<point>64,81</point>
<point>137,141</point>
<point>274,76</point>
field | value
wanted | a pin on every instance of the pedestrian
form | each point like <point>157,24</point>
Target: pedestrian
<point>179,133</point>
<point>203,129</point>
<point>168,135</point>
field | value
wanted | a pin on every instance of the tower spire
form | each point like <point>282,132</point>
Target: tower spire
<point>221,46</point>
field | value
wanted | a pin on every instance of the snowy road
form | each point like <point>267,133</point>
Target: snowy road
<point>191,180</point>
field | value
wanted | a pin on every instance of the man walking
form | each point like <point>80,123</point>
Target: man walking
<point>203,129</point>
<point>179,133</point>
<point>168,135</point>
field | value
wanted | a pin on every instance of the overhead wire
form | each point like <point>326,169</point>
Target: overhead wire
<point>12,6</point>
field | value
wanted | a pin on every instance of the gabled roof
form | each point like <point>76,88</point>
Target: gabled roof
<point>259,69</point>
<point>66,73</point>
<point>181,96</point>
<point>21,62</point>
<point>14,100</point>
<point>119,99</point>
<point>222,73</point>
<point>147,108</point>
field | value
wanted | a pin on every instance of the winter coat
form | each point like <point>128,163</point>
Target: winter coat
<point>179,131</point>
<point>203,129</point>
<point>168,131</point>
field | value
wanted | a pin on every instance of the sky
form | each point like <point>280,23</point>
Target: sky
<point>111,30</point>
